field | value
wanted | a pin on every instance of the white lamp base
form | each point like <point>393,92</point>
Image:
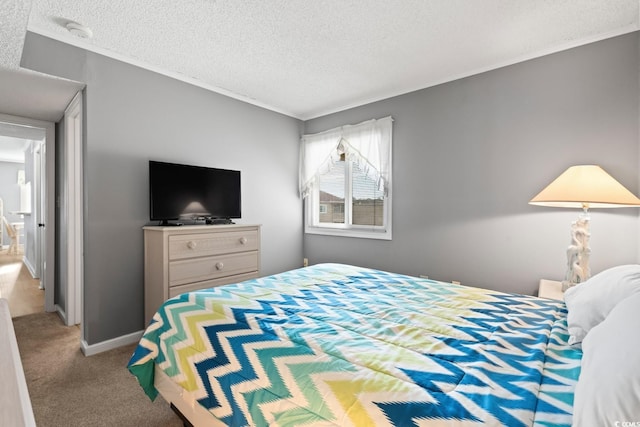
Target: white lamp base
<point>578,253</point>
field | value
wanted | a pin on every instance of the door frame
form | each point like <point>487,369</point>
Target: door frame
<point>72,261</point>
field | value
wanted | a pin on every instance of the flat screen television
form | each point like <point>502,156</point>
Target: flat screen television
<point>184,192</point>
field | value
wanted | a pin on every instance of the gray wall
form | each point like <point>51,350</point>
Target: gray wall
<point>470,154</point>
<point>60,279</point>
<point>133,115</point>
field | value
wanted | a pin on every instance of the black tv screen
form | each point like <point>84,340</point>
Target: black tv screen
<point>179,192</point>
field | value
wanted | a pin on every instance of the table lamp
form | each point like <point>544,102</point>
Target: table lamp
<point>584,186</point>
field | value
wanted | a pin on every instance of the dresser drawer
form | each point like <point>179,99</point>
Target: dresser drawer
<point>200,245</point>
<point>193,257</point>
<point>199,269</point>
<point>190,287</point>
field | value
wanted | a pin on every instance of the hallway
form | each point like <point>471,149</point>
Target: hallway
<point>18,287</point>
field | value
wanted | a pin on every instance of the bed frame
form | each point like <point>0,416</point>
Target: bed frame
<point>187,408</point>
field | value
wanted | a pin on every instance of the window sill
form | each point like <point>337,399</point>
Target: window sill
<point>351,232</point>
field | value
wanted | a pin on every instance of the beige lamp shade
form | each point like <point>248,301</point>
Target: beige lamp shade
<point>585,186</point>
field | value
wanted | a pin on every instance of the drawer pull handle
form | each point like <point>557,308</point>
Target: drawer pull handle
<point>243,240</point>
<point>191,244</point>
<point>219,266</point>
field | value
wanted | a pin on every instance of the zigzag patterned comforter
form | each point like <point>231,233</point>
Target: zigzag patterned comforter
<point>337,345</point>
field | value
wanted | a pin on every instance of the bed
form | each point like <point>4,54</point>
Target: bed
<point>340,345</point>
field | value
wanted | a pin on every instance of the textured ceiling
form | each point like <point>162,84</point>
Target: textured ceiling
<point>306,58</point>
<point>14,17</point>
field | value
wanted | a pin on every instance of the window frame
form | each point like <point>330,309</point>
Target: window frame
<point>347,229</point>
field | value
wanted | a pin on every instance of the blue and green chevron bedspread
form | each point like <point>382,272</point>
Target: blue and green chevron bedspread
<point>337,345</point>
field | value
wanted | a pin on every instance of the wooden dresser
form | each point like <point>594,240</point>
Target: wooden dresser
<point>192,257</point>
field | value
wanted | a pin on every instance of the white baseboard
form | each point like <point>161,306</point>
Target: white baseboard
<point>62,314</point>
<point>91,349</point>
<point>29,266</point>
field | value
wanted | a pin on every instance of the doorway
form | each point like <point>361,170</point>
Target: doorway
<point>23,276</point>
<point>58,262</point>
<point>20,276</point>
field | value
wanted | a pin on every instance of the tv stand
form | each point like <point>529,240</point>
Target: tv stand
<point>218,221</point>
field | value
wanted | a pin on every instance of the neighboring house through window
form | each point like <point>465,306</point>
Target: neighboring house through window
<point>345,177</point>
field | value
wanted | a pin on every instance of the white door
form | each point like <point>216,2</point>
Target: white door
<point>39,184</point>
<point>41,212</point>
<point>45,219</point>
<point>44,223</point>
<point>44,232</point>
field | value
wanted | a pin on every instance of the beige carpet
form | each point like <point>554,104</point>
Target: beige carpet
<point>69,389</point>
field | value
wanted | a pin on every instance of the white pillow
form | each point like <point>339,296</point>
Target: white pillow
<point>589,302</point>
<point>608,390</point>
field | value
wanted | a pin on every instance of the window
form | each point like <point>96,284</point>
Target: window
<point>347,182</point>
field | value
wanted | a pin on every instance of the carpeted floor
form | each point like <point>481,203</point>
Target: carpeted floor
<point>69,389</point>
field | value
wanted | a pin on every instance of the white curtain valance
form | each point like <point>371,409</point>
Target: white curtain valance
<point>367,143</point>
